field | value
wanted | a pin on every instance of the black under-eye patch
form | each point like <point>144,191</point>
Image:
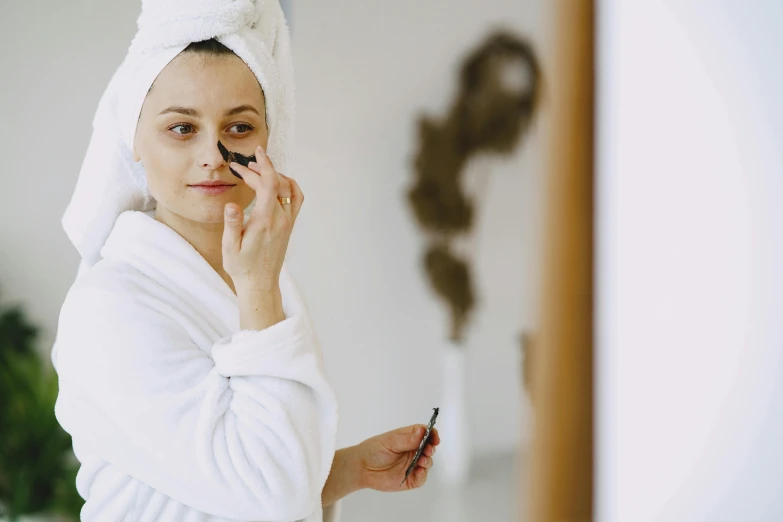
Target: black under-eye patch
<point>229,156</point>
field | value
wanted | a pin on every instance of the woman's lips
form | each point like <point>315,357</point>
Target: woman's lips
<point>212,190</point>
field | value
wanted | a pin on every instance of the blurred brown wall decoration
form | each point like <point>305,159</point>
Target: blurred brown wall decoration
<point>490,114</point>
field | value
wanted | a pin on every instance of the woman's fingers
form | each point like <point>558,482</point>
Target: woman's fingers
<point>285,191</point>
<point>266,190</point>
<point>281,182</point>
<point>270,186</point>
<point>425,462</point>
<point>278,185</point>
<point>265,167</point>
<point>251,176</point>
<point>421,476</point>
<point>426,458</point>
<point>232,233</point>
<point>297,198</point>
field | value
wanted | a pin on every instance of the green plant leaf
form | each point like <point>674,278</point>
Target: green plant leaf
<point>37,473</point>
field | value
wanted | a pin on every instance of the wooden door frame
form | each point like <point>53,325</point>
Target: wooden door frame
<point>560,483</point>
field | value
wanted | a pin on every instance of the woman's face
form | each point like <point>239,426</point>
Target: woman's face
<point>195,101</point>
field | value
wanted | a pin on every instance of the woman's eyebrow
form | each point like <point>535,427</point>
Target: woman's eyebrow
<point>187,111</point>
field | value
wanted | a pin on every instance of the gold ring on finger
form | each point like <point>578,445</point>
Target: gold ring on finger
<point>284,201</point>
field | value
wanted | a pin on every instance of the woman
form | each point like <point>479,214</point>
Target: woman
<point>191,379</point>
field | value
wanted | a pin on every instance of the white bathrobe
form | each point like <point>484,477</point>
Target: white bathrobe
<point>176,414</point>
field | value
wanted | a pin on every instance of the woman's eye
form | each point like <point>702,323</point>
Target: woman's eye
<point>242,128</point>
<point>248,127</point>
<point>181,125</point>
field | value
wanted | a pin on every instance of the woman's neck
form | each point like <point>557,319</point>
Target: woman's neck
<point>206,238</point>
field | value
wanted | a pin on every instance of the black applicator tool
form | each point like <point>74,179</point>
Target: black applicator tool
<point>229,156</point>
<point>421,445</point>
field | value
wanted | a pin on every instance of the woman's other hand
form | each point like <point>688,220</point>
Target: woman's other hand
<point>383,459</point>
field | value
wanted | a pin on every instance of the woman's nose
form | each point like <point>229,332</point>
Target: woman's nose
<point>210,157</point>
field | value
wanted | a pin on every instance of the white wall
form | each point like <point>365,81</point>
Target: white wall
<point>55,61</point>
<point>363,71</point>
<point>690,366</point>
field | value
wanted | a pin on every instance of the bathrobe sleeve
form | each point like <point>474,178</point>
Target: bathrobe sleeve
<point>246,434</point>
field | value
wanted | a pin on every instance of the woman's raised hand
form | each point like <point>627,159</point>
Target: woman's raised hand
<point>253,253</point>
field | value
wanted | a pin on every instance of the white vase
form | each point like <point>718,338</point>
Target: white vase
<point>454,452</point>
